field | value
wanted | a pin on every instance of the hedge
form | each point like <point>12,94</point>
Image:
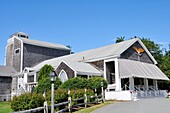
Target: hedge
<point>27,101</point>
<point>79,83</point>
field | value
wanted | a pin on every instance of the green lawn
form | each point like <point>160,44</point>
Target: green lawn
<point>5,107</point>
<point>90,109</point>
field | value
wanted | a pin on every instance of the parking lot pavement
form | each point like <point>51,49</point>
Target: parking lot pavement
<point>152,105</point>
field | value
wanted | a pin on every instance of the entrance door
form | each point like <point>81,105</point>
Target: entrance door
<point>110,72</point>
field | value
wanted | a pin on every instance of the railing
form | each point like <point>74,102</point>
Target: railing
<point>84,104</point>
<point>139,91</point>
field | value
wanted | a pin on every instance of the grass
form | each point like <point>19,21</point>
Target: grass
<point>90,109</point>
<point>5,107</point>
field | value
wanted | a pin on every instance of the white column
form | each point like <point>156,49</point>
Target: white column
<point>105,71</point>
<point>117,77</point>
<point>25,78</point>
<point>145,84</point>
<point>155,84</point>
<point>131,83</point>
<point>35,77</point>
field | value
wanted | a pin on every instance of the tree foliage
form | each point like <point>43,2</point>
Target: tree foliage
<point>120,39</point>
<point>44,82</point>
<point>44,72</point>
<point>80,83</point>
<point>154,49</point>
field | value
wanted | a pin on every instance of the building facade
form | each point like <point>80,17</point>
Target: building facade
<point>23,52</point>
<point>128,66</point>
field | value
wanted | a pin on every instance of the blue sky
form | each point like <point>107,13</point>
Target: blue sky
<point>85,24</point>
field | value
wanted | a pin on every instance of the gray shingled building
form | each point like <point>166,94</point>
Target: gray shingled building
<point>5,82</point>
<point>23,52</point>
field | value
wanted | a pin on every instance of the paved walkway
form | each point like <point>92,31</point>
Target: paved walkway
<point>154,105</point>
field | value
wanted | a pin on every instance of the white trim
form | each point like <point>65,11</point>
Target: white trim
<point>75,74</point>
<point>147,51</point>
<point>66,64</point>
<point>102,58</point>
<point>104,70</point>
<point>117,77</point>
<point>64,73</point>
<point>144,47</point>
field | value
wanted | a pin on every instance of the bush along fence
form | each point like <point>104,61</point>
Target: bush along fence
<point>74,102</point>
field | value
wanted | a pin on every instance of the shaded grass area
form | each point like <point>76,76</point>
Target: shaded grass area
<point>5,107</point>
<point>93,108</point>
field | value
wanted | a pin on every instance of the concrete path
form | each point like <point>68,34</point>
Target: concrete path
<point>154,105</point>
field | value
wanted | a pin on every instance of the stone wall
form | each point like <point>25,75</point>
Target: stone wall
<point>68,70</point>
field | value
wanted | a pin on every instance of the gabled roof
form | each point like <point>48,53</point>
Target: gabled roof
<point>110,51</point>
<point>82,68</point>
<point>7,71</point>
<point>44,44</point>
<point>25,39</point>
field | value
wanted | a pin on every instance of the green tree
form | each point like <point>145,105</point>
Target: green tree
<point>44,82</point>
<point>120,39</point>
<point>154,49</point>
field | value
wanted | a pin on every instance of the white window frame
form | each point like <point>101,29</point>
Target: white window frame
<point>62,71</point>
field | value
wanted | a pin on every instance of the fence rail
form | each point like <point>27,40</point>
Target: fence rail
<point>68,104</point>
<point>31,110</point>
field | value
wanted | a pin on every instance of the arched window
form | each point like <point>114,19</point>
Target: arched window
<point>63,76</point>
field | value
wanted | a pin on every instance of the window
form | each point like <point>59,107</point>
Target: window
<point>63,76</point>
<point>17,51</point>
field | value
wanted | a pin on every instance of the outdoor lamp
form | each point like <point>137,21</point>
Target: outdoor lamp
<point>53,76</point>
<point>101,84</point>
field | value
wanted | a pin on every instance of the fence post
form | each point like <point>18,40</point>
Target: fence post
<point>69,102</point>
<point>95,90</point>
<point>102,92</point>
<point>45,103</point>
<point>85,97</point>
<point>45,107</point>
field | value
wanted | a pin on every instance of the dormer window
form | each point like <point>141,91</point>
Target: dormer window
<point>17,51</point>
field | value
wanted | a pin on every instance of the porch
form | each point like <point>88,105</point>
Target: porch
<point>133,80</point>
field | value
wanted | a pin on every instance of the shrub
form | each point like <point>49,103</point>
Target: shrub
<point>80,83</point>
<point>27,101</point>
<point>44,72</point>
<point>44,82</point>
<point>95,83</point>
<point>45,85</point>
<point>61,95</point>
<point>74,83</point>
